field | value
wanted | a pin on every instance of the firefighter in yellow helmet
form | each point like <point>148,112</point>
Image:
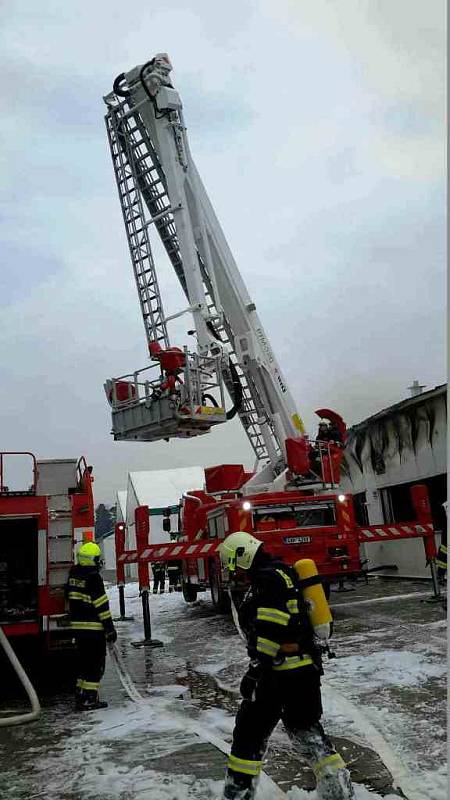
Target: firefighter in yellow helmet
<point>283,677</point>
<point>91,623</point>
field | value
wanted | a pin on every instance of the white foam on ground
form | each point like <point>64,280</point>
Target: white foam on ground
<point>386,668</point>
<point>172,690</point>
<point>211,667</point>
<point>362,682</point>
<point>219,720</point>
<point>361,793</point>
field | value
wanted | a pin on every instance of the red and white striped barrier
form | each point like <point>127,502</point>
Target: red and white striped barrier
<point>182,550</point>
<point>412,530</point>
<point>168,552</point>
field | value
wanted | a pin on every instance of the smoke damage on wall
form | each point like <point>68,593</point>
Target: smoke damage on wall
<point>396,435</point>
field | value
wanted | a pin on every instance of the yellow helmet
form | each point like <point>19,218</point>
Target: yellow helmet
<point>238,550</point>
<point>89,555</point>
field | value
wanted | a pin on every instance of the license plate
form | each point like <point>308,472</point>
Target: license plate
<point>297,539</point>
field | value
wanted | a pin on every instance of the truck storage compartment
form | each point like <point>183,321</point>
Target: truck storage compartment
<point>18,569</point>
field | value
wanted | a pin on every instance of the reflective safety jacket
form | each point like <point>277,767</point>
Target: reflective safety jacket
<point>275,620</point>
<point>88,601</point>
<point>441,560</point>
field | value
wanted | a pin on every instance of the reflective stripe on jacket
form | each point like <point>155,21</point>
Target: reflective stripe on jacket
<point>275,620</point>
<point>441,559</point>
<point>88,602</point>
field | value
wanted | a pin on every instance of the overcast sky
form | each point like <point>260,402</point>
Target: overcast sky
<point>318,129</point>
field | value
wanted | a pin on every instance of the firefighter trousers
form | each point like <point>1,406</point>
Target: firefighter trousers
<point>292,696</point>
<point>159,580</point>
<point>174,574</point>
<point>91,654</point>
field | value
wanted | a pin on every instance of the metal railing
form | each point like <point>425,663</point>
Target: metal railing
<point>4,489</point>
<point>84,477</point>
<point>323,449</point>
<point>200,376</point>
<point>139,390</point>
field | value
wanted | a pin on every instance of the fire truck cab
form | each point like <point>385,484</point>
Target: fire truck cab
<point>292,525</point>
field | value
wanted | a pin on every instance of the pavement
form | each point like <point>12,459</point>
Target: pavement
<point>384,701</point>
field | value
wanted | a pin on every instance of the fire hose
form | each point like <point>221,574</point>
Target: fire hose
<point>202,731</point>
<point>28,716</point>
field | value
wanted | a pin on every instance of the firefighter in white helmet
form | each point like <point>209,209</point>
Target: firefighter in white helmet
<point>283,677</point>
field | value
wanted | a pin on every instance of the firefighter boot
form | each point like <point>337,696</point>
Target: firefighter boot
<point>333,779</point>
<point>79,698</point>
<point>239,786</point>
<point>335,784</point>
<point>91,701</point>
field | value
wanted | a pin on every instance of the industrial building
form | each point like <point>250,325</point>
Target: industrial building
<point>385,455</point>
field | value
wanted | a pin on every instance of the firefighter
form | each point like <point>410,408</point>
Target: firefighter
<point>174,574</point>
<point>91,623</point>
<point>323,432</point>
<point>283,677</point>
<point>329,433</point>
<point>159,576</point>
<point>317,451</point>
<point>441,561</point>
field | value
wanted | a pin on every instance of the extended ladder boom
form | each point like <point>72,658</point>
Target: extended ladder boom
<point>159,186</point>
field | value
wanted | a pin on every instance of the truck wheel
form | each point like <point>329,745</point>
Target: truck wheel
<point>219,597</point>
<point>189,592</point>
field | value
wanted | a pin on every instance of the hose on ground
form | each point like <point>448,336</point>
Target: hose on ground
<point>28,716</point>
<point>202,731</point>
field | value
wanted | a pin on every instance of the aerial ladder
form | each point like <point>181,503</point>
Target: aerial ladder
<point>182,392</point>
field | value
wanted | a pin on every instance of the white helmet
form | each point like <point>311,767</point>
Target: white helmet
<point>238,550</point>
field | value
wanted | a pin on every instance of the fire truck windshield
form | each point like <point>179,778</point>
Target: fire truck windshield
<point>314,515</point>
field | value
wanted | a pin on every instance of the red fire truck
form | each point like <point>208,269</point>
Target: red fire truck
<point>292,525</point>
<point>40,524</point>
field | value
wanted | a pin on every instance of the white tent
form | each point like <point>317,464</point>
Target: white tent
<point>161,488</point>
<point>157,489</point>
<point>121,505</point>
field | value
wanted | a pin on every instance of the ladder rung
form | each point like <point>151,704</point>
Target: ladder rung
<point>138,246</point>
<point>160,196</point>
<point>147,171</point>
<point>141,158</point>
<point>125,178</point>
